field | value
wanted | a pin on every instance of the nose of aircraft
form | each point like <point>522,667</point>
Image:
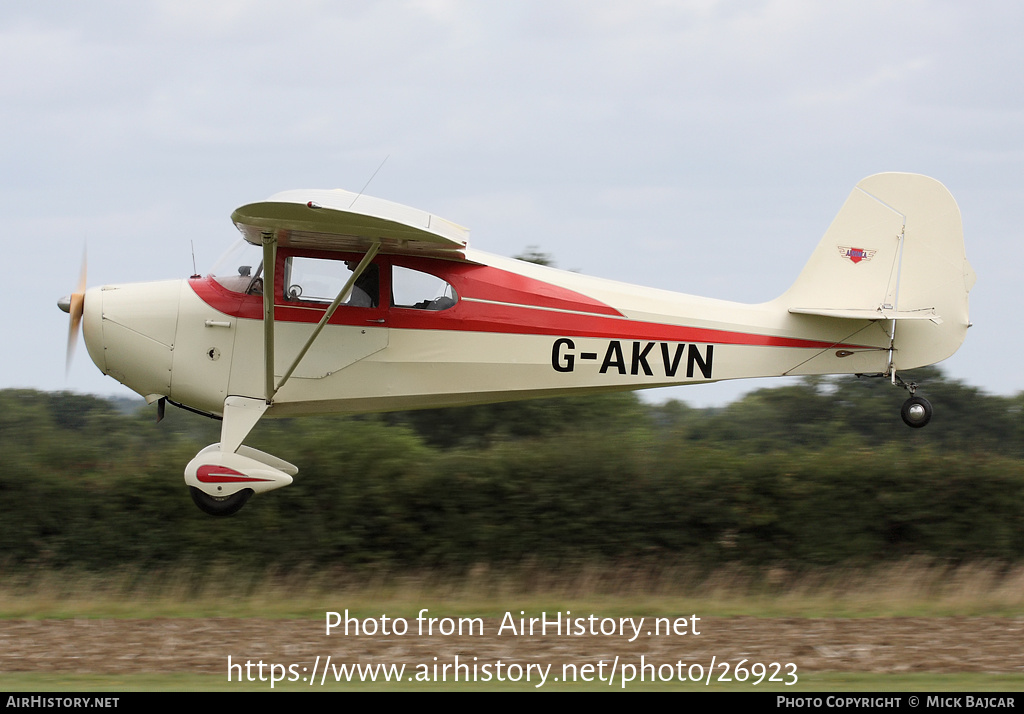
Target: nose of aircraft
<point>129,331</point>
<point>132,333</point>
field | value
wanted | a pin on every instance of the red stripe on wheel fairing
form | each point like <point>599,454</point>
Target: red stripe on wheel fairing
<point>222,474</point>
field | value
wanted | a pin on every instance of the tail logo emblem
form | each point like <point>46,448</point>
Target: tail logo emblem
<point>855,255</point>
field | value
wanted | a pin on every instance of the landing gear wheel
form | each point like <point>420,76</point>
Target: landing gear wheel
<point>220,505</point>
<point>916,412</point>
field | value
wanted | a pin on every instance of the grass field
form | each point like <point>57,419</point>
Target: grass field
<point>908,589</point>
<point>914,626</point>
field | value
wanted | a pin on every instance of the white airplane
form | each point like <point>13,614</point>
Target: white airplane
<point>338,302</point>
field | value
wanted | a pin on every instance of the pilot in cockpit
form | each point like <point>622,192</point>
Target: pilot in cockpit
<point>367,288</point>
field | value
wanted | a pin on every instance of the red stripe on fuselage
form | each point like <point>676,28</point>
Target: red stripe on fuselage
<point>487,283</point>
<point>507,319</point>
<point>502,302</point>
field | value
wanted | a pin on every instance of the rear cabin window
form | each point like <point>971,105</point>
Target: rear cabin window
<point>420,291</point>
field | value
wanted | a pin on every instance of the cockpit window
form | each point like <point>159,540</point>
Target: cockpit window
<point>320,280</point>
<point>419,290</point>
<point>240,269</point>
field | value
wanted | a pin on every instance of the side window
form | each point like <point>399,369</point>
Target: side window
<point>320,280</point>
<point>420,291</point>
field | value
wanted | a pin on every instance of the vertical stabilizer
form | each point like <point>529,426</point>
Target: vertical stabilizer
<point>895,252</point>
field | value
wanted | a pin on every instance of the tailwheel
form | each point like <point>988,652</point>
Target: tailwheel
<point>916,412</point>
<point>220,505</point>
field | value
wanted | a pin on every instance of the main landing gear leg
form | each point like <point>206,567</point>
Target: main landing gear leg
<point>223,476</point>
<point>916,411</point>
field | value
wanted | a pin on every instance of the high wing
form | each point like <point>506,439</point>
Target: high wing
<point>339,220</point>
<point>336,220</point>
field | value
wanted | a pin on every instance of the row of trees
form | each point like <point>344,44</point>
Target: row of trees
<point>817,413</point>
<point>816,474</point>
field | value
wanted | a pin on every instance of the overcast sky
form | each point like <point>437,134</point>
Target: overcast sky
<point>700,146</point>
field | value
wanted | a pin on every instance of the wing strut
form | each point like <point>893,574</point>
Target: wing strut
<point>269,264</point>
<point>360,269</point>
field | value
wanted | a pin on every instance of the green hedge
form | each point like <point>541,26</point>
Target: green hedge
<point>86,485</point>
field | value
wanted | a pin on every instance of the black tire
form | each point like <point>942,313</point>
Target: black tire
<point>916,412</point>
<point>220,505</point>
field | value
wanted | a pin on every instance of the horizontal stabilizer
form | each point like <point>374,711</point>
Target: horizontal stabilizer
<point>880,313</point>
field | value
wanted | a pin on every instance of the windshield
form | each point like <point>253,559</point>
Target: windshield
<point>240,269</point>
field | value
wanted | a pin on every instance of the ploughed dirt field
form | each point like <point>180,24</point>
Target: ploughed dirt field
<point>889,645</point>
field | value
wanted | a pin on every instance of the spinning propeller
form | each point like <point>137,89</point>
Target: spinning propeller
<point>74,305</point>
